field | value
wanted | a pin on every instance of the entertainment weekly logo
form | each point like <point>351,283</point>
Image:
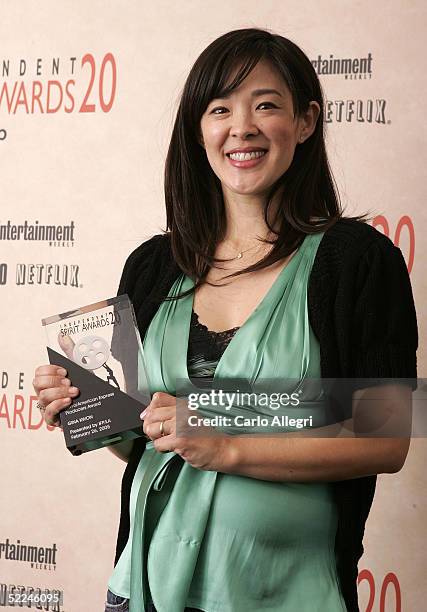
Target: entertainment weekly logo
<point>351,110</point>
<point>37,557</point>
<point>52,235</point>
<point>349,67</point>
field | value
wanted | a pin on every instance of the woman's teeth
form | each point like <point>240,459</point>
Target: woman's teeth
<point>246,156</point>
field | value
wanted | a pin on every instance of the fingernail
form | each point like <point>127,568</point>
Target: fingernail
<point>142,415</point>
<point>61,371</point>
<point>65,381</point>
<point>73,390</point>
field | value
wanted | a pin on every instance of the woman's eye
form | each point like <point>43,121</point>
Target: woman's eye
<point>213,111</point>
<point>267,104</point>
<point>218,108</point>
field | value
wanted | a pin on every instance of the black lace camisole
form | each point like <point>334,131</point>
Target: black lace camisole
<point>205,348</point>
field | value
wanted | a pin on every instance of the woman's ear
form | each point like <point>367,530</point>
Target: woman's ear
<point>309,121</point>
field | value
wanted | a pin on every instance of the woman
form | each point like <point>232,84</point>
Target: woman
<point>258,276</point>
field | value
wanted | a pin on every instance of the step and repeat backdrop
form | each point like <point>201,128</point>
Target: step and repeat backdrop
<point>88,95</point>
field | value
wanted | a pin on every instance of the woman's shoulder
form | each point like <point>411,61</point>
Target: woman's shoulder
<point>153,254</point>
<point>348,245</point>
<point>355,261</point>
<point>354,235</point>
<point>155,245</point>
<point>148,262</point>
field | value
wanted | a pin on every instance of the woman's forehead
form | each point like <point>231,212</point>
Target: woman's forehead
<point>264,75</point>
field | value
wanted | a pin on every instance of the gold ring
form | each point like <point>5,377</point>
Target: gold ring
<point>162,433</point>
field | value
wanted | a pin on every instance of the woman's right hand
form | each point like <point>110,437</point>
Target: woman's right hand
<point>54,391</point>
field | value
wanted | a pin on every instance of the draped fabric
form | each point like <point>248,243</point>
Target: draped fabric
<point>226,542</point>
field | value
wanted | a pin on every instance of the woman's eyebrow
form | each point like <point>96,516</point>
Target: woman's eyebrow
<point>254,93</point>
<point>263,92</point>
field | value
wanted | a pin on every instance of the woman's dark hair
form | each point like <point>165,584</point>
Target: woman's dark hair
<point>193,194</point>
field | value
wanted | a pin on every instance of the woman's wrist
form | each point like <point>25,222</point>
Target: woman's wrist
<point>229,454</point>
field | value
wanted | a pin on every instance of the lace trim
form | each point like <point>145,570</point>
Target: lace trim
<point>221,336</point>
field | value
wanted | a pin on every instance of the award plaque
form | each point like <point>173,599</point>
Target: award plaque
<point>100,347</point>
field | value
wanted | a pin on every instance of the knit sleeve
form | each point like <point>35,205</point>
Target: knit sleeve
<point>137,264</point>
<point>134,279</point>
<point>384,326</point>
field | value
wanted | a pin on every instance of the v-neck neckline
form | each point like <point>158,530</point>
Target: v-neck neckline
<point>242,329</point>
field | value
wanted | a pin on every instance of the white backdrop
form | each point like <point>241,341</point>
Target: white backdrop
<point>101,168</point>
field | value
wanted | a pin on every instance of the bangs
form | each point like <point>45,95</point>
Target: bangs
<point>218,82</point>
<point>225,68</point>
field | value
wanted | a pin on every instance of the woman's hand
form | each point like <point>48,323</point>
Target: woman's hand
<point>54,392</point>
<point>205,450</point>
<point>53,389</point>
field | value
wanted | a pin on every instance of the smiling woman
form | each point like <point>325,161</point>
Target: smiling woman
<point>258,276</point>
<point>254,128</point>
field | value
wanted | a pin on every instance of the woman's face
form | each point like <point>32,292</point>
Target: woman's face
<point>254,120</point>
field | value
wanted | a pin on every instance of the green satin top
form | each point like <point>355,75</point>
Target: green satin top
<point>224,542</point>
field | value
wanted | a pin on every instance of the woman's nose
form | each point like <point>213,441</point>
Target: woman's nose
<point>243,126</point>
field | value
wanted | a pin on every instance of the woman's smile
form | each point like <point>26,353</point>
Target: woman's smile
<point>246,160</point>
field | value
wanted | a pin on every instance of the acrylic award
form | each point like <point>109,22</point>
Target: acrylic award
<point>100,347</point>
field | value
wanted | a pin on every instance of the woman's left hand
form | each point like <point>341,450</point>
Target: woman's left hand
<point>206,452</point>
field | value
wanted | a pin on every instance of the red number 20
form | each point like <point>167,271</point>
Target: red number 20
<point>105,105</point>
<point>390,578</point>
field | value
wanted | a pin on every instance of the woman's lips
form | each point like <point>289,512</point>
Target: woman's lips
<point>247,163</point>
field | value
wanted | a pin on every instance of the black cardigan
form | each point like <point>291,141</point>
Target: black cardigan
<point>362,311</point>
